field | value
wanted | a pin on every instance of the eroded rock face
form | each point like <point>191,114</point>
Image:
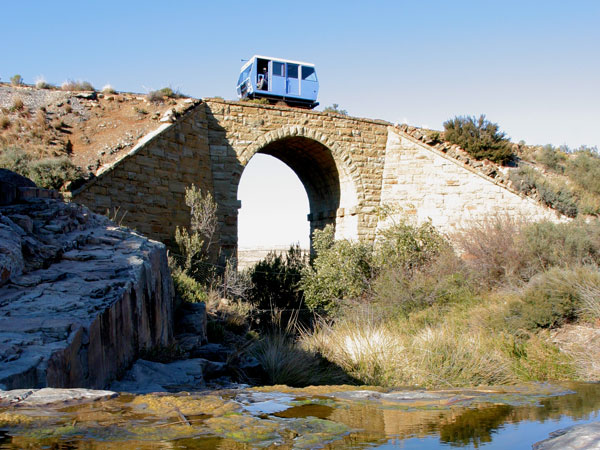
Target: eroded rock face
<point>79,297</point>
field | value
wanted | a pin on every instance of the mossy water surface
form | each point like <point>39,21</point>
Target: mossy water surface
<point>281,417</point>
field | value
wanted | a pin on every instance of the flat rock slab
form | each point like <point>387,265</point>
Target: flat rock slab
<point>578,437</point>
<point>81,297</point>
<point>51,396</point>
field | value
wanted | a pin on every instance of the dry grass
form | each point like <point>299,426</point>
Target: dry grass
<point>456,345</point>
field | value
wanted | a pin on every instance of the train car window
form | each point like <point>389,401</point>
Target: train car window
<point>308,73</point>
<point>278,69</point>
<point>292,70</point>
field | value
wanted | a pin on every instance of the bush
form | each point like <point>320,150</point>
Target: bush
<point>42,84</point>
<point>53,173</point>
<point>160,95</point>
<point>48,173</point>
<point>108,90</point>
<point>335,108</point>
<point>16,80</point>
<point>584,170</point>
<point>340,271</point>
<point>554,195</point>
<point>479,137</point>
<point>71,85</point>
<point>552,158</point>
<point>491,251</point>
<point>546,244</point>
<point>4,122</point>
<point>17,105</point>
<point>444,281</point>
<point>408,247</point>
<point>552,299</point>
<point>276,284</point>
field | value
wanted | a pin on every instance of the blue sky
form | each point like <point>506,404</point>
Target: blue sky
<point>531,66</point>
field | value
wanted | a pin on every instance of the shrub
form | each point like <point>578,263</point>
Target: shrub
<point>552,299</point>
<point>546,244</point>
<point>53,173</point>
<point>335,108</point>
<point>108,89</point>
<point>490,249</point>
<point>4,122</point>
<point>16,80</point>
<point>18,104</point>
<point>340,271</point>
<point>551,157</point>
<point>276,284</point>
<point>445,281</point>
<point>584,170</point>
<point>79,85</point>
<point>408,247</point>
<point>160,95</point>
<point>42,84</point>
<point>187,288</point>
<point>48,173</point>
<point>554,195</point>
<point>479,137</point>
<point>194,244</point>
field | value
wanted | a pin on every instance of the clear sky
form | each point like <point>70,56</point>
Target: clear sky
<point>531,66</point>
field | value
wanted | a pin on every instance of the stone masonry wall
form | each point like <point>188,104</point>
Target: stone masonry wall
<point>147,185</point>
<point>425,184</point>
<point>349,167</point>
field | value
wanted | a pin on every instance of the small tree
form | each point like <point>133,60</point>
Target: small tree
<point>335,108</point>
<point>16,80</point>
<point>194,244</point>
<point>480,138</point>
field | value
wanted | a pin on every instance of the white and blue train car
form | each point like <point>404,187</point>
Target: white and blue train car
<point>275,79</point>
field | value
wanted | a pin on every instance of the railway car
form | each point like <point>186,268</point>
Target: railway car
<point>276,79</point>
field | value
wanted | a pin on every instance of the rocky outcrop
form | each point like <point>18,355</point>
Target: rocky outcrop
<point>79,296</point>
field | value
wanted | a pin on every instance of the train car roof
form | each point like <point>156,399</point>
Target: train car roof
<point>277,59</point>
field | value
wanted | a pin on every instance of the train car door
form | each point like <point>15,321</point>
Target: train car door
<point>292,79</point>
<point>278,78</point>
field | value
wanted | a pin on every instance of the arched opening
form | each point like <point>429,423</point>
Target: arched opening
<point>331,194</point>
<point>274,209</point>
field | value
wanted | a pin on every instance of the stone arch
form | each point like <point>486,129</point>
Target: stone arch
<point>334,190</point>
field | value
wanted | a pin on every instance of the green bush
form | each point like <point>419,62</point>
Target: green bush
<point>555,195</point>
<point>53,173</point>
<point>551,299</point>
<point>341,270</point>
<point>552,158</point>
<point>187,288</point>
<point>48,173</point>
<point>480,138</point>
<point>584,170</point>
<point>408,247</point>
<point>547,244</point>
<point>276,284</point>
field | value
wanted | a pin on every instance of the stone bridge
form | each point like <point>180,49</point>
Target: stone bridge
<point>348,166</point>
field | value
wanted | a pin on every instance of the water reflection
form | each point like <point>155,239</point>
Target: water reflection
<point>307,418</point>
